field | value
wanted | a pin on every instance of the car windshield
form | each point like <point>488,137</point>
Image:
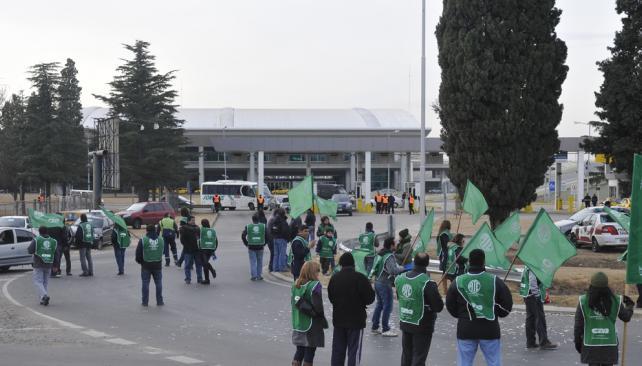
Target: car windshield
<point>12,222</point>
<point>340,197</point>
<point>581,215</point>
<point>94,221</point>
<point>136,206</point>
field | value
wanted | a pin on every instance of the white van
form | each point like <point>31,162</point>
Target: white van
<point>234,194</point>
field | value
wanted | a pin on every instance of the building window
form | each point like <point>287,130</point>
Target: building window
<point>266,157</point>
<point>319,157</point>
<point>296,158</point>
<point>346,156</point>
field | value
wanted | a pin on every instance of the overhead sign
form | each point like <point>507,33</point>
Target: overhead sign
<point>561,156</point>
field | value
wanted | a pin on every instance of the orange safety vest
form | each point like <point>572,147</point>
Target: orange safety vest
<point>217,198</point>
<point>260,200</point>
<point>411,200</point>
<point>385,199</point>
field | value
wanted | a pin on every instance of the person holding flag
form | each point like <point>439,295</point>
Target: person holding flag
<point>84,241</point>
<point>43,249</point>
<point>384,270</point>
<point>327,249</point>
<point>595,333</point>
<point>149,254</point>
<point>253,237</point>
<point>120,240</point>
<point>367,242</point>
<point>455,263</point>
<point>534,294</point>
<point>443,238</point>
<point>477,299</point>
<point>324,226</point>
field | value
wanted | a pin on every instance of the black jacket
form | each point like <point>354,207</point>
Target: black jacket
<point>310,219</point>
<point>299,251</point>
<point>294,228</point>
<point>189,238</point>
<point>350,293</point>
<point>78,238</point>
<point>60,234</point>
<point>433,305</point>
<point>278,228</point>
<point>150,266</point>
<point>478,328</point>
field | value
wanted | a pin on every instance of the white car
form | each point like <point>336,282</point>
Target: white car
<point>15,221</point>
<point>14,245</point>
<point>599,230</point>
<point>567,225</point>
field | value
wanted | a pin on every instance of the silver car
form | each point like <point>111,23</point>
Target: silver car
<point>14,245</point>
<point>103,228</point>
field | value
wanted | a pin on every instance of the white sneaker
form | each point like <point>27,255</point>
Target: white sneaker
<point>389,333</point>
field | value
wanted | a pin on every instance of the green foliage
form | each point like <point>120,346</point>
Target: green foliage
<point>619,101</point>
<point>12,137</point>
<point>502,73</point>
<point>142,96</point>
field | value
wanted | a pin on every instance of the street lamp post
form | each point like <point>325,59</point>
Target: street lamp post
<point>422,167</point>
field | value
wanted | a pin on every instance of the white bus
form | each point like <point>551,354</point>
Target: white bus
<point>235,194</point>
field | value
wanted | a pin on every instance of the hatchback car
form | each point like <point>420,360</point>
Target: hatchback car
<point>103,228</point>
<point>146,213</point>
<point>14,245</point>
<point>599,230</point>
<point>15,221</point>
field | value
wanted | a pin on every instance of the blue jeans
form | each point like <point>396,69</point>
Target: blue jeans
<point>190,259</point>
<point>280,255</point>
<point>145,275</point>
<point>256,262</point>
<point>40,279</point>
<point>119,253</point>
<point>310,232</point>
<point>467,348</point>
<point>384,305</point>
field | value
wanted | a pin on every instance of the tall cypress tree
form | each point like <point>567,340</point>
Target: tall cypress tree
<point>142,96</point>
<point>12,140</point>
<point>619,101</point>
<point>502,73</point>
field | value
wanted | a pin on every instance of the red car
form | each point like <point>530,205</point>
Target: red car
<point>146,213</point>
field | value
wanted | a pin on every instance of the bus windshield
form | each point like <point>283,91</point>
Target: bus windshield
<point>221,189</point>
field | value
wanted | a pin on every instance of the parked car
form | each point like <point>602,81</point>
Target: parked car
<point>146,213</point>
<point>599,230</point>
<point>15,221</point>
<point>14,245</point>
<point>344,204</point>
<point>566,225</point>
<point>102,230</point>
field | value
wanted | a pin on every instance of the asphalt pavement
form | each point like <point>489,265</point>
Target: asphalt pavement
<point>233,321</point>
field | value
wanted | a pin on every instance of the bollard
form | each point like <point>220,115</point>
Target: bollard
<point>559,204</point>
<point>571,204</point>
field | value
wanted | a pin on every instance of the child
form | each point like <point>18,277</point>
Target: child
<point>327,248</point>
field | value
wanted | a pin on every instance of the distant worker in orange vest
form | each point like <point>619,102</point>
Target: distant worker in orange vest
<point>384,204</point>
<point>217,202</point>
<point>378,202</point>
<point>411,204</point>
<point>260,201</point>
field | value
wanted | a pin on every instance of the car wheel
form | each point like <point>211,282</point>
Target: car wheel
<point>137,223</point>
<point>573,239</point>
<point>4,269</point>
<point>595,246</point>
<point>251,206</point>
<point>232,208</point>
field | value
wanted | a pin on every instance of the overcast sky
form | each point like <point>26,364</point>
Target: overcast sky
<point>278,53</point>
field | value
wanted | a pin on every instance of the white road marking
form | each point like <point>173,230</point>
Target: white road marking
<point>153,350</point>
<point>27,329</point>
<point>120,341</point>
<point>8,278</point>
<point>184,359</point>
<point>95,334</point>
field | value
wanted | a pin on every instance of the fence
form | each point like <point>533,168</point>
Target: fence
<point>50,205</point>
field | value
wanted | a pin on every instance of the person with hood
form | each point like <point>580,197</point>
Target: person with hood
<point>308,319</point>
<point>350,293</point>
<point>404,248</point>
<point>595,332</point>
<point>384,270</point>
<point>189,234</point>
<point>149,254</point>
<point>478,299</point>
<point>43,248</point>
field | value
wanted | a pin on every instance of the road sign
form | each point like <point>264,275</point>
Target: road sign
<point>561,156</point>
<point>551,186</point>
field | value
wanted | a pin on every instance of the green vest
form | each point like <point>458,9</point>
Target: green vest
<point>322,229</point>
<point>452,256</point>
<point>46,248</point>
<point>122,237</point>
<point>255,234</point>
<point>87,232</point>
<point>183,220</point>
<point>450,237</point>
<point>208,239</point>
<point>479,292</point>
<point>525,285</point>
<point>167,223</point>
<point>300,321</point>
<point>379,265</point>
<point>153,249</point>
<point>367,241</point>
<point>599,330</point>
<point>328,247</point>
<point>410,292</point>
<point>308,256</point>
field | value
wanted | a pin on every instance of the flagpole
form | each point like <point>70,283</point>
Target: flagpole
<point>625,330</point>
<point>459,222</point>
<point>511,266</point>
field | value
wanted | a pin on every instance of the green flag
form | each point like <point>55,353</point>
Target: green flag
<point>509,231</point>
<point>486,241</point>
<point>425,233</point>
<point>620,217</point>
<point>545,248</point>
<point>359,256</point>
<point>301,197</point>
<point>39,219</point>
<point>115,218</point>
<point>474,202</point>
<point>327,207</point>
<point>634,254</point>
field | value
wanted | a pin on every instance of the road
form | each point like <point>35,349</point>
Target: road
<point>234,321</point>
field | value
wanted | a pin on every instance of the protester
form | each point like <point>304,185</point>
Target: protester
<point>43,248</point>
<point>327,249</point>
<point>207,245</point>
<point>325,224</point>
<point>84,241</point>
<point>443,238</point>
<point>149,254</point>
<point>120,240</point>
<point>595,333</point>
<point>65,248</point>
<point>280,234</point>
<point>455,264</point>
<point>300,251</point>
<point>384,270</point>
<point>310,221</point>
<point>189,238</point>
<point>534,294</point>
<point>308,318</point>
<point>417,313</point>
<point>404,248</point>
<point>350,293</point>
<point>60,235</point>
<point>478,324</point>
<point>261,215</point>
<point>185,215</point>
<point>169,231</point>
<point>253,237</point>
<point>367,241</point>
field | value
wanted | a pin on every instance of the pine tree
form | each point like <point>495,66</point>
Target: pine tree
<point>141,96</point>
<point>12,139</point>
<point>619,101</point>
<point>502,71</point>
